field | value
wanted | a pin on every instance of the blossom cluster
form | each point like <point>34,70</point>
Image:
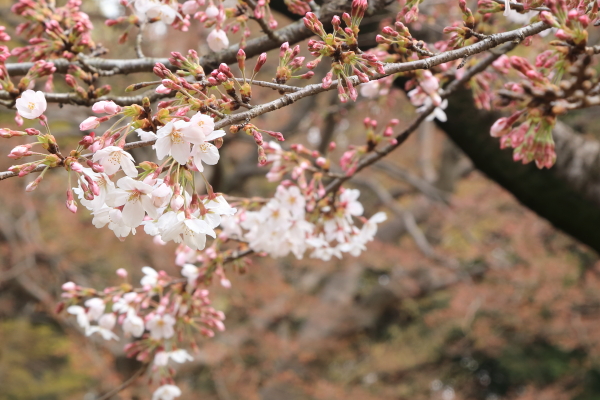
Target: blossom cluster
<point>162,316</point>
<point>282,226</point>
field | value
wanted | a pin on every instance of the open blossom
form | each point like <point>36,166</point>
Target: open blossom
<point>82,318</point>
<point>114,218</point>
<point>106,323</point>
<point>200,126</point>
<point>161,326</point>
<point>166,392</point>
<point>179,356</point>
<point>104,185</point>
<point>150,277</point>
<point>179,228</point>
<point>173,139</point>
<point>217,40</point>
<point>207,153</point>
<point>133,324</point>
<point>134,196</point>
<point>154,9</point>
<point>96,308</point>
<point>113,158</point>
<point>31,104</point>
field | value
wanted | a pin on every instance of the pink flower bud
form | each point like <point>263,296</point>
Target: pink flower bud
<point>33,132</point>
<point>262,59</point>
<point>70,203</point>
<point>189,7</point>
<point>328,79</point>
<point>89,123</point>
<point>75,166</point>
<point>20,151</point>
<point>122,273</point>
<point>69,287</point>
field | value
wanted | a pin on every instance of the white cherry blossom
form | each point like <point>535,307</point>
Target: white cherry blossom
<point>161,326</point>
<point>31,104</point>
<point>113,158</point>
<point>217,40</point>
<point>180,356</point>
<point>133,195</point>
<point>150,277</point>
<point>166,392</point>
<point>95,307</point>
<point>191,231</point>
<point>105,325</point>
<point>174,140</point>
<point>207,153</point>
<point>133,324</point>
<point>82,318</point>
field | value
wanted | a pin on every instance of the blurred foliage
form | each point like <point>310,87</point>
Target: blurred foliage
<point>37,362</point>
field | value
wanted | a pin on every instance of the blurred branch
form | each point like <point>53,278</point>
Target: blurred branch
<point>422,185</point>
<point>390,69</point>
<point>125,384</point>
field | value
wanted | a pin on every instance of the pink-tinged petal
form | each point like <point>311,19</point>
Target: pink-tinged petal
<point>208,153</point>
<point>128,167</point>
<point>181,152</point>
<point>133,213</point>
<point>195,242</point>
<point>142,187</point>
<point>165,130</point>
<point>163,146</point>
<point>110,165</point>
<point>117,198</point>
<point>149,207</point>
<point>215,135</point>
<point>126,183</point>
<point>198,163</point>
<point>193,135</point>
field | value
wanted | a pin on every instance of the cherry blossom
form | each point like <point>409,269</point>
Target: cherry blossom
<point>161,326</point>
<point>134,196</point>
<point>133,324</point>
<point>113,158</point>
<point>206,153</point>
<point>150,277</point>
<point>106,323</point>
<point>217,40</point>
<point>180,356</point>
<point>166,392</point>
<point>31,104</point>
<point>174,140</point>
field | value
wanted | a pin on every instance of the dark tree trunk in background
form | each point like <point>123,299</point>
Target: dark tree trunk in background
<point>567,195</point>
<point>565,200</point>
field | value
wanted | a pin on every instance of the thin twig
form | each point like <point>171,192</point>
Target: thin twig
<point>390,69</point>
<point>139,40</point>
<point>125,384</point>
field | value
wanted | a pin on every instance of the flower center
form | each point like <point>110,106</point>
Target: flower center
<point>31,106</point>
<point>134,195</point>
<point>114,158</point>
<point>204,147</point>
<point>176,136</point>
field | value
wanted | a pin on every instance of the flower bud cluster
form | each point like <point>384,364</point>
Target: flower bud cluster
<point>53,31</point>
<point>289,62</point>
<point>161,316</point>
<point>540,101</point>
<point>342,47</point>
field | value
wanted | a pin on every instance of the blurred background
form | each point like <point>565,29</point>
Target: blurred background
<point>465,294</point>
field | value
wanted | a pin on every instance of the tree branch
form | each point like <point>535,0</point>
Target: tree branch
<point>290,98</point>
